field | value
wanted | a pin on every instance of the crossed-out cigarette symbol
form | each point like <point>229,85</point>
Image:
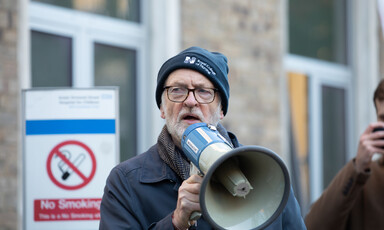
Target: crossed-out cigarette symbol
<point>64,168</point>
<point>65,160</point>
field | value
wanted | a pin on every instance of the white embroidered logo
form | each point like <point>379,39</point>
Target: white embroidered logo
<point>203,65</point>
<point>189,60</point>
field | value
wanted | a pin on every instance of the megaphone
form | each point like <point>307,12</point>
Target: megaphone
<point>243,188</point>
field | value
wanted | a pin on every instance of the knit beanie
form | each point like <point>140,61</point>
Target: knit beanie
<point>212,65</point>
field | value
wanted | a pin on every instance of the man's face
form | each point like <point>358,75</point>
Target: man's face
<point>379,110</point>
<point>178,116</point>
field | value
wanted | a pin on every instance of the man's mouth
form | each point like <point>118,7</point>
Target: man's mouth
<point>190,118</point>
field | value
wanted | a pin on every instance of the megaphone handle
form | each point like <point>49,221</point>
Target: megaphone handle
<point>194,170</point>
<point>195,216</point>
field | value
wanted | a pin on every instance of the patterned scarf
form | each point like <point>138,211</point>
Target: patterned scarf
<point>173,156</point>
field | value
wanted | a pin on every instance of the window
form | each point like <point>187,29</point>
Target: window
<point>93,43</point>
<point>328,106</point>
<point>115,66</point>
<point>334,131</point>
<point>317,29</point>
<point>123,9</point>
<point>318,50</point>
<point>51,60</point>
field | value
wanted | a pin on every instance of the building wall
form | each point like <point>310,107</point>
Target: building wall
<point>9,106</point>
<point>249,33</point>
<point>381,50</point>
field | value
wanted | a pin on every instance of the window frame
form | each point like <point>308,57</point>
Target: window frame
<point>321,73</point>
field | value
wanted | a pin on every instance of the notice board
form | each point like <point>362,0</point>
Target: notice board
<point>70,144</point>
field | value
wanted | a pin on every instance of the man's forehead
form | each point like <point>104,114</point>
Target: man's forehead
<point>186,76</point>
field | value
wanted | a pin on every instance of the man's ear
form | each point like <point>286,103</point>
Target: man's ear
<point>162,113</point>
<point>221,113</point>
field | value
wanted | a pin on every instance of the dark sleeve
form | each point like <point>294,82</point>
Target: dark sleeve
<point>165,223</point>
<point>332,209</point>
<point>118,209</point>
<point>292,218</point>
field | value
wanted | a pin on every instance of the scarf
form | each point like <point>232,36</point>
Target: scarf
<point>174,157</point>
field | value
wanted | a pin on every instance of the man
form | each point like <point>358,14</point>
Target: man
<point>154,190</point>
<point>354,200</point>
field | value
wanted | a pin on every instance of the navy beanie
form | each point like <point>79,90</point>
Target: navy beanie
<point>212,65</point>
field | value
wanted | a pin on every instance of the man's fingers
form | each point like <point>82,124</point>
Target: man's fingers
<point>190,188</point>
<point>194,179</point>
<point>188,200</point>
<point>192,184</point>
<point>371,127</point>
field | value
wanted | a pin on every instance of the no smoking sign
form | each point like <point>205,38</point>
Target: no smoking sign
<point>68,134</point>
<point>71,165</point>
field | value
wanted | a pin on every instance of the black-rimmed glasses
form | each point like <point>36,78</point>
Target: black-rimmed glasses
<point>180,94</point>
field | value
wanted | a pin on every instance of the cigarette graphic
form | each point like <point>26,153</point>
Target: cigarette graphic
<point>64,168</point>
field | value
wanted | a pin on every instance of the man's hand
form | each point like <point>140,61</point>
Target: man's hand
<point>370,143</point>
<point>187,201</point>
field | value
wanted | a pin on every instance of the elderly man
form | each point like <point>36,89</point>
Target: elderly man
<point>354,200</point>
<point>154,190</point>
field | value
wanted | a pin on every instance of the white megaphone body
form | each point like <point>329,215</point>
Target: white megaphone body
<point>243,188</point>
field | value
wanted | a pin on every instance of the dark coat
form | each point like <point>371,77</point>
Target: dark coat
<point>353,201</point>
<point>141,193</point>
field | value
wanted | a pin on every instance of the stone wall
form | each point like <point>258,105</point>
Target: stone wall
<point>249,33</point>
<point>9,104</point>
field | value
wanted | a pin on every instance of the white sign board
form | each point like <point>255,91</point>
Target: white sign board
<point>70,144</point>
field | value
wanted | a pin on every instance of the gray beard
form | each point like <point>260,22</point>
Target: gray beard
<point>176,128</point>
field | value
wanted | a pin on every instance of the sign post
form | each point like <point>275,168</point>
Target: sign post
<point>70,144</point>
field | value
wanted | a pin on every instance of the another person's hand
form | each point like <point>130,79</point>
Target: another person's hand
<point>187,202</point>
<point>370,143</point>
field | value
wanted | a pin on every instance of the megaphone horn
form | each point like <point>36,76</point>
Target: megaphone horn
<point>243,188</point>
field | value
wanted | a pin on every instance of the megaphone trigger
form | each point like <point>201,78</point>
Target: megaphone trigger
<point>193,170</point>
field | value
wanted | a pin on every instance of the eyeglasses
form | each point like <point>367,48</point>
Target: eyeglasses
<point>180,94</point>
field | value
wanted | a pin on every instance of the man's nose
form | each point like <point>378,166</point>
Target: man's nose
<point>190,101</point>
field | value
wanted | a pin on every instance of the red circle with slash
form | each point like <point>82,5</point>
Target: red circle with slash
<point>85,179</point>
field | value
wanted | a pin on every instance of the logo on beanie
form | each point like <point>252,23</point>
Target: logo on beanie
<point>189,60</point>
<point>198,62</point>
